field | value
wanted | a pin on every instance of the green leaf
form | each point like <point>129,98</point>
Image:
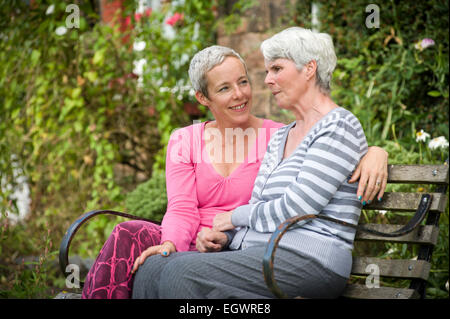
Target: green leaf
<point>15,113</point>
<point>90,75</point>
<point>35,55</point>
<point>78,126</point>
<point>434,93</point>
<point>99,57</point>
<point>76,93</point>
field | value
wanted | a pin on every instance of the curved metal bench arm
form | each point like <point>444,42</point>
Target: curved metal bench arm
<point>70,233</point>
<point>269,255</point>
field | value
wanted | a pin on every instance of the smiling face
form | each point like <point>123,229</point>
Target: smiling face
<point>229,93</point>
<point>286,82</point>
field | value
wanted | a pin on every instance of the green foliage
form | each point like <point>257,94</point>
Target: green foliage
<point>396,89</point>
<point>234,10</point>
<point>80,104</point>
<point>393,87</point>
<point>78,115</point>
<point>31,278</point>
<point>149,199</point>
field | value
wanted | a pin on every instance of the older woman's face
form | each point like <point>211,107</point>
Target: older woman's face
<point>229,91</point>
<point>285,81</point>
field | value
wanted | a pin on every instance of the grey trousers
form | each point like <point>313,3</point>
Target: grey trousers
<point>233,274</point>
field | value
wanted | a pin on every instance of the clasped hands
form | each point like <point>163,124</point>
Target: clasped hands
<point>211,240</point>
<point>208,240</point>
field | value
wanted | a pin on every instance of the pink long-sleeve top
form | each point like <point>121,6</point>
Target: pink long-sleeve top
<point>196,192</point>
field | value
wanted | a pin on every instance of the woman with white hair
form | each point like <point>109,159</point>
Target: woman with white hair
<point>306,170</point>
<point>210,169</point>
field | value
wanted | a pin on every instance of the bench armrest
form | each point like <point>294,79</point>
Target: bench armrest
<point>272,245</point>
<point>68,236</point>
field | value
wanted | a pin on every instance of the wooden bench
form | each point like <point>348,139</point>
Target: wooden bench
<point>428,207</point>
<point>425,235</point>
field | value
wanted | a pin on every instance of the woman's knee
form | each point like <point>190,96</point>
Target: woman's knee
<point>135,225</point>
<point>184,277</point>
<point>146,279</point>
<point>150,274</point>
<point>173,279</point>
<point>146,233</point>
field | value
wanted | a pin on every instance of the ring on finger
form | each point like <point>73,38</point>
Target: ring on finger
<point>378,183</point>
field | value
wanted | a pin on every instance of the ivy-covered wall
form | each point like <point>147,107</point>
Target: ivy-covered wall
<point>86,110</point>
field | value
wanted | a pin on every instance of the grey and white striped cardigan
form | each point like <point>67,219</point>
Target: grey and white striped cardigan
<point>312,180</point>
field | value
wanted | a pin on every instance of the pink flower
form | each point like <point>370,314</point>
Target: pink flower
<point>138,16</point>
<point>127,21</point>
<point>425,43</point>
<point>174,19</point>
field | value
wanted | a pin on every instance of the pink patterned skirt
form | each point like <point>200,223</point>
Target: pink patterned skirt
<point>110,276</point>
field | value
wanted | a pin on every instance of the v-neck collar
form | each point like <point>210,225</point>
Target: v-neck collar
<point>240,165</point>
<point>286,133</point>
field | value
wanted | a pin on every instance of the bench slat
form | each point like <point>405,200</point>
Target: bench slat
<point>407,202</point>
<point>362,292</point>
<point>418,174</point>
<point>395,268</point>
<point>423,234</point>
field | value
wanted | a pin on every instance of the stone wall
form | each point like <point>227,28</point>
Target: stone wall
<point>257,24</point>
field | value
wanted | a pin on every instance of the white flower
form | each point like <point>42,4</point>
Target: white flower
<point>139,46</point>
<point>382,212</point>
<point>61,30</point>
<point>391,251</point>
<point>438,142</point>
<point>140,82</point>
<point>422,136</point>
<point>117,97</point>
<point>50,9</point>
<point>168,32</point>
<point>139,66</point>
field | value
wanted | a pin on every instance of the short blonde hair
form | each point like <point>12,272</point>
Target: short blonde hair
<point>205,60</point>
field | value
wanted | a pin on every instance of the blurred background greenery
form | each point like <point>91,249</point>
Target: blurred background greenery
<point>86,113</point>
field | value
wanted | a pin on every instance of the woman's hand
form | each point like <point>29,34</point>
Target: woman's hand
<point>222,222</point>
<point>209,240</point>
<point>165,249</point>
<point>372,174</point>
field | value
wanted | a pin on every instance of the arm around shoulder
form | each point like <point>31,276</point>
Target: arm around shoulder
<point>372,174</point>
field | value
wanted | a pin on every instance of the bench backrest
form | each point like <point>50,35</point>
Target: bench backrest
<point>412,273</point>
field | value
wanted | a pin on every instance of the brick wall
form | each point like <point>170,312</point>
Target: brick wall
<point>111,13</point>
<point>110,9</point>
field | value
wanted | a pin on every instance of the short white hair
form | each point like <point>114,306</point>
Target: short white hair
<point>302,46</point>
<point>205,60</point>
